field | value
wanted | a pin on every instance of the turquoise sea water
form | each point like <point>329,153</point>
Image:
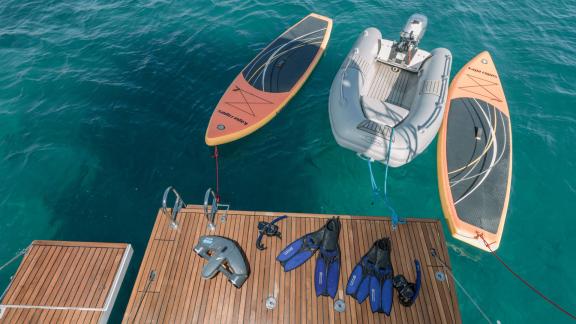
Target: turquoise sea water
<point>104,103</point>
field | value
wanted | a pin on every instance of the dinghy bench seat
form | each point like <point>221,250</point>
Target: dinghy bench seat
<point>383,112</point>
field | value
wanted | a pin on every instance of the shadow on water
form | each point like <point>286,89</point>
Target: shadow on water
<point>152,135</point>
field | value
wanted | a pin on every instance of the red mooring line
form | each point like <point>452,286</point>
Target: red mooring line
<point>217,174</point>
<point>525,282</point>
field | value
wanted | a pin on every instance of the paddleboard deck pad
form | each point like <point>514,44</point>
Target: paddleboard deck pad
<point>475,155</point>
<point>269,81</point>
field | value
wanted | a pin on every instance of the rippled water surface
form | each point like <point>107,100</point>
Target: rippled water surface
<point>104,103</point>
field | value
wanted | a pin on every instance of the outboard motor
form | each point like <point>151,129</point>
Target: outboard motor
<point>410,36</point>
<point>223,255</point>
<point>387,100</point>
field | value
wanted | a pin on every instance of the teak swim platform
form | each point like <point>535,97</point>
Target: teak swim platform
<point>170,289</point>
<point>65,282</point>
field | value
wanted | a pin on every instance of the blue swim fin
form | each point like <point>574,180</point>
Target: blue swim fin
<point>381,283</point>
<point>385,274</point>
<point>333,278</point>
<point>355,279</point>
<point>299,251</point>
<point>372,278</point>
<point>327,272</point>
<point>363,290</point>
<point>358,285</point>
<point>320,274</point>
<point>375,294</point>
<point>387,290</point>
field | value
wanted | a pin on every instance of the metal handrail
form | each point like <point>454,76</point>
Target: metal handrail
<point>211,209</point>
<point>178,204</point>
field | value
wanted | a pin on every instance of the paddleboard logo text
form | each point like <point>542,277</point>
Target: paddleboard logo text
<point>483,72</point>
<point>229,115</point>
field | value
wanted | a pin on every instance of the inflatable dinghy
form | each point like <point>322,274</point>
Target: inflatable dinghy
<point>387,100</point>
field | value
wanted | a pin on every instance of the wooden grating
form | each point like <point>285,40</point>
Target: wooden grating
<point>391,85</point>
<point>65,282</point>
<point>178,294</point>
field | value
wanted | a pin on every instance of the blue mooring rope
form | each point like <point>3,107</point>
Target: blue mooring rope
<point>396,219</point>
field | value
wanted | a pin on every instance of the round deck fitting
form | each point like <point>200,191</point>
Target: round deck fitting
<point>339,306</point>
<point>441,276</point>
<point>271,302</point>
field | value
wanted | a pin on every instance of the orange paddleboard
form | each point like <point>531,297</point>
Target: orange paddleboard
<point>267,83</point>
<point>475,155</point>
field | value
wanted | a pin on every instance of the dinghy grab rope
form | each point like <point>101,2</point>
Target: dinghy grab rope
<point>384,195</point>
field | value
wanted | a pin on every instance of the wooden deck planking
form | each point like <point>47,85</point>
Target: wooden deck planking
<point>65,282</point>
<point>180,295</point>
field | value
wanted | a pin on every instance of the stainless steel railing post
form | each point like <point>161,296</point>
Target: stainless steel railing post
<point>178,204</point>
<point>211,207</point>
